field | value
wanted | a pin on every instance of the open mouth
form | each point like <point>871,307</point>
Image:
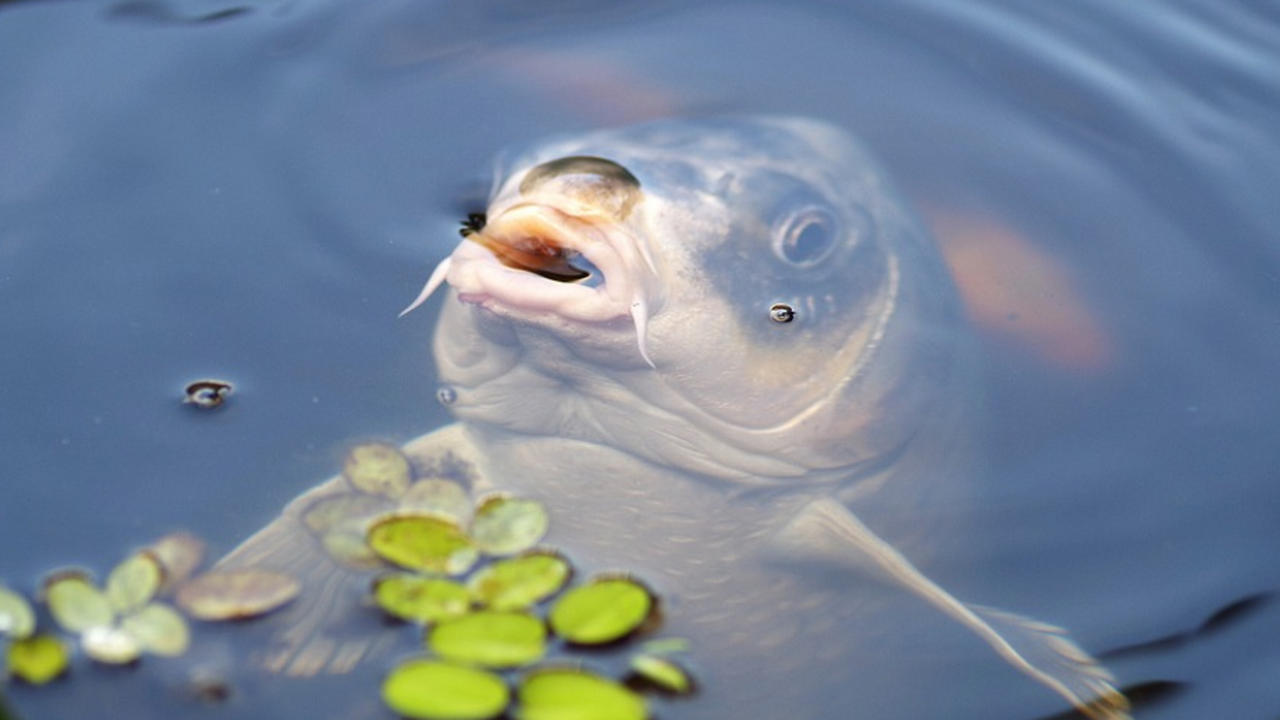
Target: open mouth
<point>539,256</point>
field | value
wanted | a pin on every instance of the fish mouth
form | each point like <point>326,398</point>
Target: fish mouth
<point>534,258</point>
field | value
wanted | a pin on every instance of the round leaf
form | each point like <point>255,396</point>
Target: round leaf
<point>492,639</point>
<point>435,496</point>
<point>421,599</point>
<point>506,525</point>
<point>423,542</point>
<point>346,511</point>
<point>38,659</point>
<point>17,619</point>
<point>431,690</point>
<point>519,582</point>
<point>134,582</point>
<point>378,469</point>
<point>568,694</point>
<point>236,594</point>
<point>159,630</point>
<point>603,610</point>
<point>76,604</point>
<point>179,554</point>
<point>662,673</point>
<point>111,645</point>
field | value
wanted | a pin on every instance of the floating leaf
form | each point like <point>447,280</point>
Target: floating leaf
<point>236,594</point>
<point>179,554</point>
<point>661,673</point>
<point>77,605</point>
<point>111,645</point>
<point>423,542</point>
<point>432,690</point>
<point>134,582</point>
<point>443,498</point>
<point>351,549</point>
<point>349,511</point>
<point>519,582</point>
<point>603,610</point>
<point>507,525</point>
<point>490,638</point>
<point>421,599</point>
<point>570,694</point>
<point>17,619</point>
<point>378,469</point>
<point>38,659</point>
<point>159,630</point>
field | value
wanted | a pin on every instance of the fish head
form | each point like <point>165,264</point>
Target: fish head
<point>740,298</point>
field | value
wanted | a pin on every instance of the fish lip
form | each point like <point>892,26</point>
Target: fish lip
<point>478,276</point>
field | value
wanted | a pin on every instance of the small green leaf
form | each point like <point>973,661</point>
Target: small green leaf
<point>110,645</point>
<point>519,582</point>
<point>662,673</point>
<point>378,469</point>
<point>421,599</point>
<point>236,594</point>
<point>492,639</point>
<point>179,554</point>
<point>439,497</point>
<point>569,694</point>
<point>603,610</point>
<point>134,582</point>
<point>348,511</point>
<point>423,542</point>
<point>38,659</point>
<point>17,619</point>
<point>159,630</point>
<point>432,690</point>
<point>506,525</point>
<point>77,605</point>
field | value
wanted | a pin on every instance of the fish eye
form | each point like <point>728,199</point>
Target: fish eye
<point>806,237</point>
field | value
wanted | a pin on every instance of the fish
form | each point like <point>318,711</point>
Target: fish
<point>710,347</point>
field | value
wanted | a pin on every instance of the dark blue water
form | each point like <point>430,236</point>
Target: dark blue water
<point>253,191</point>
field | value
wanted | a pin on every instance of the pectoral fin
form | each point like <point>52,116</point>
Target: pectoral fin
<point>321,632</point>
<point>826,531</point>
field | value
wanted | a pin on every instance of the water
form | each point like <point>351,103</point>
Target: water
<point>253,192</point>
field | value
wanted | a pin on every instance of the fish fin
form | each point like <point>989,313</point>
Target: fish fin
<point>437,278</point>
<point>327,629</point>
<point>827,531</point>
<point>310,636</point>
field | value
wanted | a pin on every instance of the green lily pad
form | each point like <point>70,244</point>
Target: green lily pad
<point>38,659</point>
<point>421,599</point>
<point>432,690</point>
<point>134,582</point>
<point>423,542</point>
<point>378,469</point>
<point>520,582</point>
<point>571,694</point>
<point>17,619</point>
<point>236,594</point>
<point>604,610</point>
<point>350,549</point>
<point>506,525</point>
<point>110,645</point>
<point>662,674</point>
<point>341,512</point>
<point>159,630</point>
<point>490,638</point>
<point>179,554</point>
<point>436,496</point>
<point>77,605</point>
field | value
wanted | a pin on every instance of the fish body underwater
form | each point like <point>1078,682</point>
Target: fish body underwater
<point>706,346</point>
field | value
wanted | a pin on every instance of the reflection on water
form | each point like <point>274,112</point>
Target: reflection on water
<point>255,199</point>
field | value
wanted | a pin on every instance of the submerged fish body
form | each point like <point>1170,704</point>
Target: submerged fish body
<point>704,345</point>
